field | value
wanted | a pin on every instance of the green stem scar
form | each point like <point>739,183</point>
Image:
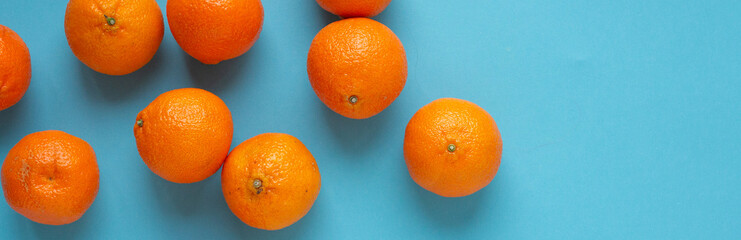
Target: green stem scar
<point>109,20</point>
<point>451,148</point>
<point>139,122</point>
<point>257,184</point>
<point>353,99</point>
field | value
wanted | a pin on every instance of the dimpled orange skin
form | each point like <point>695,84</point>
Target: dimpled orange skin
<point>118,49</point>
<point>184,135</point>
<point>288,175</point>
<point>212,31</point>
<point>15,68</point>
<point>354,8</point>
<point>50,177</point>
<point>357,58</point>
<point>478,147</point>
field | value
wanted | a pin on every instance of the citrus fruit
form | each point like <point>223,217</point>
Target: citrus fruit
<point>184,135</point>
<point>50,177</point>
<point>15,68</point>
<point>215,30</point>
<point>270,181</point>
<point>114,37</point>
<point>357,67</point>
<point>354,8</point>
<point>452,147</point>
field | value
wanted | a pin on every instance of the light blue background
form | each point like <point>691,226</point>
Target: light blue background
<point>620,119</point>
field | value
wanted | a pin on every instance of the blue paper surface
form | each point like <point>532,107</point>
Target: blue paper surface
<point>620,120</point>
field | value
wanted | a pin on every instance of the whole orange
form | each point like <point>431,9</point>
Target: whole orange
<point>270,181</point>
<point>452,147</point>
<point>15,68</point>
<point>184,135</point>
<point>50,177</point>
<point>215,30</point>
<point>114,37</point>
<point>354,8</point>
<point>357,67</point>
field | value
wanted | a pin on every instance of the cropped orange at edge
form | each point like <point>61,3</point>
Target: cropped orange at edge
<point>354,8</point>
<point>50,177</point>
<point>114,37</point>
<point>215,31</point>
<point>184,135</point>
<point>357,67</point>
<point>452,147</point>
<point>15,66</point>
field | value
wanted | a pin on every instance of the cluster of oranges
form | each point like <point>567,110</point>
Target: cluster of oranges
<point>356,66</point>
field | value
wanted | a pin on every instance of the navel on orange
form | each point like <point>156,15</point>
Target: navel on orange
<point>15,68</point>
<point>270,181</point>
<point>184,135</point>
<point>50,177</point>
<point>114,37</point>
<point>452,147</point>
<point>357,67</point>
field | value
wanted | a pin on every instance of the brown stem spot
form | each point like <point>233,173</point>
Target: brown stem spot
<point>257,184</point>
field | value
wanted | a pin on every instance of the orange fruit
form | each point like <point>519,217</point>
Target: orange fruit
<point>357,67</point>
<point>15,68</point>
<point>270,181</point>
<point>184,135</point>
<point>452,147</point>
<point>50,177</point>
<point>354,8</point>
<point>215,30</point>
<point>114,37</point>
